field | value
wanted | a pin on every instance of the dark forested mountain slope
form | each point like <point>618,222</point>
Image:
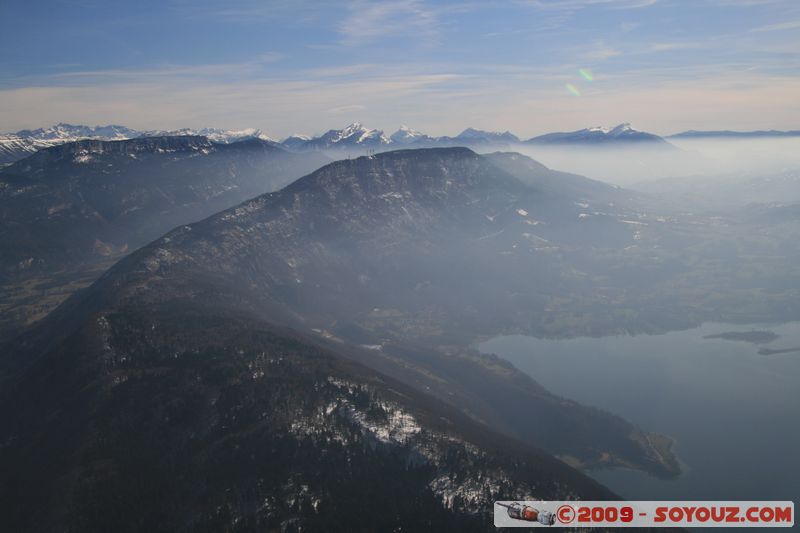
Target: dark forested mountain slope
<point>400,260</point>
<point>68,203</point>
<point>67,209</point>
<point>181,413</point>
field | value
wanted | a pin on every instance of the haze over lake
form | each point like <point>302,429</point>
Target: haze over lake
<point>732,411</point>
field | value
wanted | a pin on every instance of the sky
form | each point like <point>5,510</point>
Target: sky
<point>306,66</point>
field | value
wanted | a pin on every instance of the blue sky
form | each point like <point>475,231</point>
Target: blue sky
<point>306,66</point>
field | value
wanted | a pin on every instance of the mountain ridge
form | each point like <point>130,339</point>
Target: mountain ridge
<point>619,135</point>
<point>355,136</point>
<point>16,146</point>
<point>221,419</point>
<point>272,254</point>
<point>193,364</point>
<point>71,208</point>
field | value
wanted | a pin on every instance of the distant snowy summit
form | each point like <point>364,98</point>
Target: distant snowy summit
<point>354,135</point>
<point>405,135</point>
<point>15,146</point>
<point>618,135</point>
<point>357,138</point>
<point>215,135</point>
<point>68,132</point>
<point>488,136</point>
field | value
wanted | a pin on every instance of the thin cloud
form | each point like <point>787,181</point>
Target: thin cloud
<point>581,4</point>
<point>498,97</point>
<point>346,109</point>
<point>596,51</point>
<point>746,3</point>
<point>670,46</point>
<point>244,11</point>
<point>628,26</point>
<point>790,25</point>
<point>369,21</point>
<point>343,70</point>
<point>482,80</point>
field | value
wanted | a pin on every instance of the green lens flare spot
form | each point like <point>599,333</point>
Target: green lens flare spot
<point>573,90</point>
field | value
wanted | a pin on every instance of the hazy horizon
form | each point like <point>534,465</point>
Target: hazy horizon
<point>386,130</point>
<point>287,67</point>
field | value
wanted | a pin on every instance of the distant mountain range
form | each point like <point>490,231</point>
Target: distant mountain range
<point>15,146</point>
<point>354,135</point>
<point>694,134</point>
<point>68,132</point>
<point>357,137</point>
<point>215,135</point>
<point>360,137</point>
<point>619,135</point>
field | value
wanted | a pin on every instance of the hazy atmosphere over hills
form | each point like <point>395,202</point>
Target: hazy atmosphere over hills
<point>405,265</point>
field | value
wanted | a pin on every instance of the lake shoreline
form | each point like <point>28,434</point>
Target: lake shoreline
<point>701,388</point>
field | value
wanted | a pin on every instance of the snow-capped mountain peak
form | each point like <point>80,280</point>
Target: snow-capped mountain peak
<point>301,136</point>
<point>64,132</point>
<point>622,132</point>
<point>217,135</point>
<point>354,134</point>
<point>15,146</point>
<point>354,129</point>
<point>622,129</point>
<point>406,135</point>
<point>482,135</point>
<point>617,130</point>
<point>361,134</point>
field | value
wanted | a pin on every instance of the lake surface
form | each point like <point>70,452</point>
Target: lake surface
<point>734,414</point>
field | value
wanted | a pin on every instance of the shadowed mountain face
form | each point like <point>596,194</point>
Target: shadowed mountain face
<point>70,209</point>
<point>419,233</point>
<point>397,261</point>
<point>226,373</point>
<point>68,203</point>
<point>176,416</point>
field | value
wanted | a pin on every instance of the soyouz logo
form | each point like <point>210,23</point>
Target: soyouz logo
<point>644,514</point>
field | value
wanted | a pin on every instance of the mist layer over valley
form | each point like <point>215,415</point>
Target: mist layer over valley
<point>341,315</point>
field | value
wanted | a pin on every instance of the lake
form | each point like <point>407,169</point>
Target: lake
<point>734,413</point>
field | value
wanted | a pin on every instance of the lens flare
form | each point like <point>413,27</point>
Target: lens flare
<point>573,90</point>
<point>586,74</point>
